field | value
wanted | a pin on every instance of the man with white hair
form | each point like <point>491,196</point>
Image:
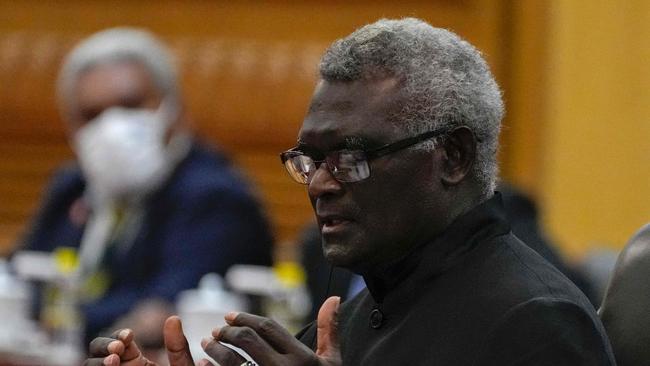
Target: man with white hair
<point>398,151</point>
<point>150,209</point>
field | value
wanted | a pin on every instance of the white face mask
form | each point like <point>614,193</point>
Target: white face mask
<point>122,152</point>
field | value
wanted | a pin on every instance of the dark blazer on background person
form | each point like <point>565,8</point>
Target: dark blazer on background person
<point>203,220</point>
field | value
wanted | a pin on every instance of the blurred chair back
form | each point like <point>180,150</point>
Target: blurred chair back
<point>625,309</point>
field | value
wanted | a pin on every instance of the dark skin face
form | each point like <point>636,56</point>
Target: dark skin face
<point>126,84</point>
<point>411,195</point>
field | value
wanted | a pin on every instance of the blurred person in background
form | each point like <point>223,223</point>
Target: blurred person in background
<point>149,208</point>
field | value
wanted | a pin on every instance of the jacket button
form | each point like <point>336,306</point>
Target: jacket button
<point>376,318</point>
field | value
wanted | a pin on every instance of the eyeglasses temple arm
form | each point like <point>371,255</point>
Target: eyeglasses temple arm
<point>402,144</point>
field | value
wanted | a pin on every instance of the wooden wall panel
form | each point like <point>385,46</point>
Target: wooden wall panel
<point>248,69</point>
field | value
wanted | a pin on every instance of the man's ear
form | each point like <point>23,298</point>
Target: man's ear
<point>459,154</point>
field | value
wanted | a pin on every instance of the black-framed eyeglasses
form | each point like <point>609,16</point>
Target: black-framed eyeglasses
<point>345,165</point>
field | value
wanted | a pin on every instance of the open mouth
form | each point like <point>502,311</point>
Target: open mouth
<point>333,223</point>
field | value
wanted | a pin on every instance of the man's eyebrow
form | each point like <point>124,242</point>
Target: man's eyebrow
<point>353,143</point>
<point>356,142</point>
<point>347,143</point>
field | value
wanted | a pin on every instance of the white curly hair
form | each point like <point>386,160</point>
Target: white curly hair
<point>446,82</point>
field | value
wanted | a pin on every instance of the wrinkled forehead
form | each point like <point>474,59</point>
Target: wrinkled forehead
<point>348,109</point>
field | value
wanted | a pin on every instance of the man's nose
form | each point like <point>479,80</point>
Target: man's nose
<point>323,182</point>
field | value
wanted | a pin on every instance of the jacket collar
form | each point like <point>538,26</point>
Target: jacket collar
<point>486,220</point>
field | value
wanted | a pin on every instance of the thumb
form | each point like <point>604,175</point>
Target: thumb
<point>178,351</point>
<point>327,344</point>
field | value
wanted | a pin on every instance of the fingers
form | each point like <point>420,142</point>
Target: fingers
<point>245,338</point>
<point>270,331</point>
<point>178,351</point>
<point>125,335</point>
<point>118,350</point>
<point>131,350</point>
<point>96,362</point>
<point>115,344</point>
<point>225,356</point>
<point>326,328</point>
<point>263,339</point>
<point>102,347</point>
<point>114,360</point>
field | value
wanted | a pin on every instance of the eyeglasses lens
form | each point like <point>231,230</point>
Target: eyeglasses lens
<point>349,166</point>
<point>300,167</point>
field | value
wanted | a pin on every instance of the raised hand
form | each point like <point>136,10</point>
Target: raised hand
<point>262,338</point>
<point>121,350</point>
<point>178,351</point>
<point>271,345</point>
<point>327,342</point>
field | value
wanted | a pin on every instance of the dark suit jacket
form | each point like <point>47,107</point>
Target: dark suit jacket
<point>474,296</point>
<point>203,220</point>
